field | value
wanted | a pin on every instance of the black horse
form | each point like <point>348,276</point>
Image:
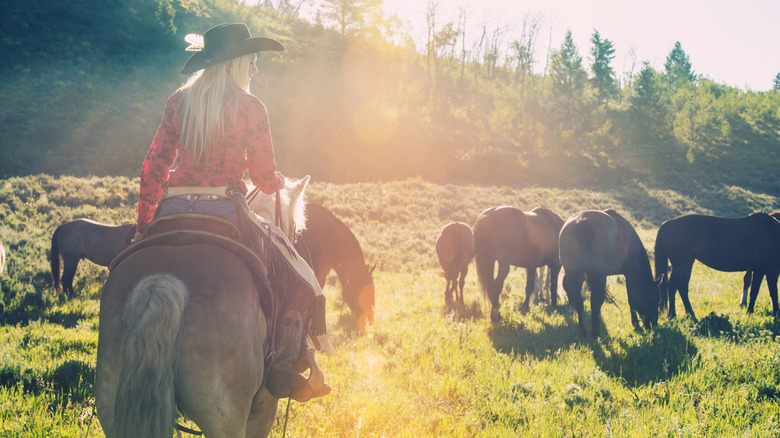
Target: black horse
<point>747,279</point>
<point>512,237</point>
<point>328,243</point>
<point>596,244</point>
<point>750,243</point>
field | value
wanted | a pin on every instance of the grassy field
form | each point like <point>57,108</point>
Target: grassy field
<point>424,369</point>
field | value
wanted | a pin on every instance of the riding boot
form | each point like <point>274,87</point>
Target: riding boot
<point>283,380</point>
<point>315,384</point>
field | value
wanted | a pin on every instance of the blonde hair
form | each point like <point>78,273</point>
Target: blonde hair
<point>203,106</point>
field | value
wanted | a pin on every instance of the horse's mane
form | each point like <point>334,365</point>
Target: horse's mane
<point>265,205</point>
<point>637,252</point>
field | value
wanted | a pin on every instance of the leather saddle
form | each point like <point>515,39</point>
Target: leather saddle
<point>182,229</point>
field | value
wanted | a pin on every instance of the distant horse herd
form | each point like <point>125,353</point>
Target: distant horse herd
<point>592,245</point>
<point>589,247</point>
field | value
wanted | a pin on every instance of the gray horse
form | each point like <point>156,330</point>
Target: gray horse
<point>85,239</point>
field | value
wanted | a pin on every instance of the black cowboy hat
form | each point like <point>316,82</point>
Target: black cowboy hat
<point>224,42</point>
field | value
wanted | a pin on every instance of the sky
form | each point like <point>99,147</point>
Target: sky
<point>733,42</point>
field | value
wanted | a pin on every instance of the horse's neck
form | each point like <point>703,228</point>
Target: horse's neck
<point>291,219</point>
<point>351,265</point>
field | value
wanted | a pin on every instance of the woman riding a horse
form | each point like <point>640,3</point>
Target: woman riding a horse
<point>215,130</point>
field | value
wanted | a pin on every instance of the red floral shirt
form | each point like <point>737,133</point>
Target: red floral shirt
<point>246,145</point>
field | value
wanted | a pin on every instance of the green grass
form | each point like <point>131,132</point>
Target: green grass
<point>422,369</point>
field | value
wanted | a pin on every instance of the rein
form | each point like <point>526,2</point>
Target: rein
<point>278,213</point>
<point>181,428</point>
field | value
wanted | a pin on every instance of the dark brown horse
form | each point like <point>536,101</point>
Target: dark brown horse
<point>747,279</point>
<point>184,326</point>
<point>750,243</point>
<point>455,249</point>
<point>512,237</point>
<point>596,244</point>
<point>330,244</point>
<point>84,239</point>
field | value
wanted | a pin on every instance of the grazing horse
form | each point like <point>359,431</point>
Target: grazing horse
<point>748,277</point>
<point>184,326</point>
<point>595,244</point>
<point>328,243</point>
<point>510,236</point>
<point>84,239</point>
<point>750,243</point>
<point>455,249</point>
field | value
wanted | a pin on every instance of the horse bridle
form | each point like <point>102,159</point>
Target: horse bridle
<point>278,207</point>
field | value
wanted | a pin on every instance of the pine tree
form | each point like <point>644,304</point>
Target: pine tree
<point>568,82</point>
<point>648,109</point>
<point>678,66</point>
<point>602,52</point>
<point>348,14</point>
<point>776,83</point>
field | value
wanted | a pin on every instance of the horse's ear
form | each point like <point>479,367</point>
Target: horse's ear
<point>371,268</point>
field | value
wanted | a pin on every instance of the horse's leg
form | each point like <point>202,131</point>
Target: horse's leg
<point>771,280</point>
<point>746,281</point>
<point>682,286</point>
<point>70,263</point>
<point>755,285</point>
<point>572,284</point>
<point>552,275</point>
<point>598,291</point>
<point>495,294</point>
<point>678,280</point>
<point>462,283</point>
<point>529,288</point>
<point>448,290</point>
<point>261,418</point>
<point>538,291</point>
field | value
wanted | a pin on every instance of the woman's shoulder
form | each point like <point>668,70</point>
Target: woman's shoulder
<point>249,102</point>
<point>175,99</point>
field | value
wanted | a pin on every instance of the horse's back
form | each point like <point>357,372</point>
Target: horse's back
<point>544,226</point>
<point>592,241</point>
<point>722,243</point>
<point>498,231</point>
<point>95,241</point>
<point>220,363</point>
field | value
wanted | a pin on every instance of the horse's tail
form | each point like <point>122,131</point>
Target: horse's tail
<point>145,403</point>
<point>485,265</point>
<point>54,261</point>
<point>661,267</point>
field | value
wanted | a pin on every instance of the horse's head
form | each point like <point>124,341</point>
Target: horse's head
<point>292,199</point>
<point>649,302</point>
<point>360,288</point>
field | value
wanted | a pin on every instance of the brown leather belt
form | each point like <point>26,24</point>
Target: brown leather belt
<point>197,198</point>
<point>199,193</point>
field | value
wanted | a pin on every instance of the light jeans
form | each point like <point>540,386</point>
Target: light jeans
<point>224,208</point>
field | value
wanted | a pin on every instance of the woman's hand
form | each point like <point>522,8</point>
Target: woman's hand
<point>137,237</point>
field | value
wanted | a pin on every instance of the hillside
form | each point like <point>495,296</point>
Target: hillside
<point>83,88</point>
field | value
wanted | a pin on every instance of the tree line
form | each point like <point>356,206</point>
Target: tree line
<point>354,99</point>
